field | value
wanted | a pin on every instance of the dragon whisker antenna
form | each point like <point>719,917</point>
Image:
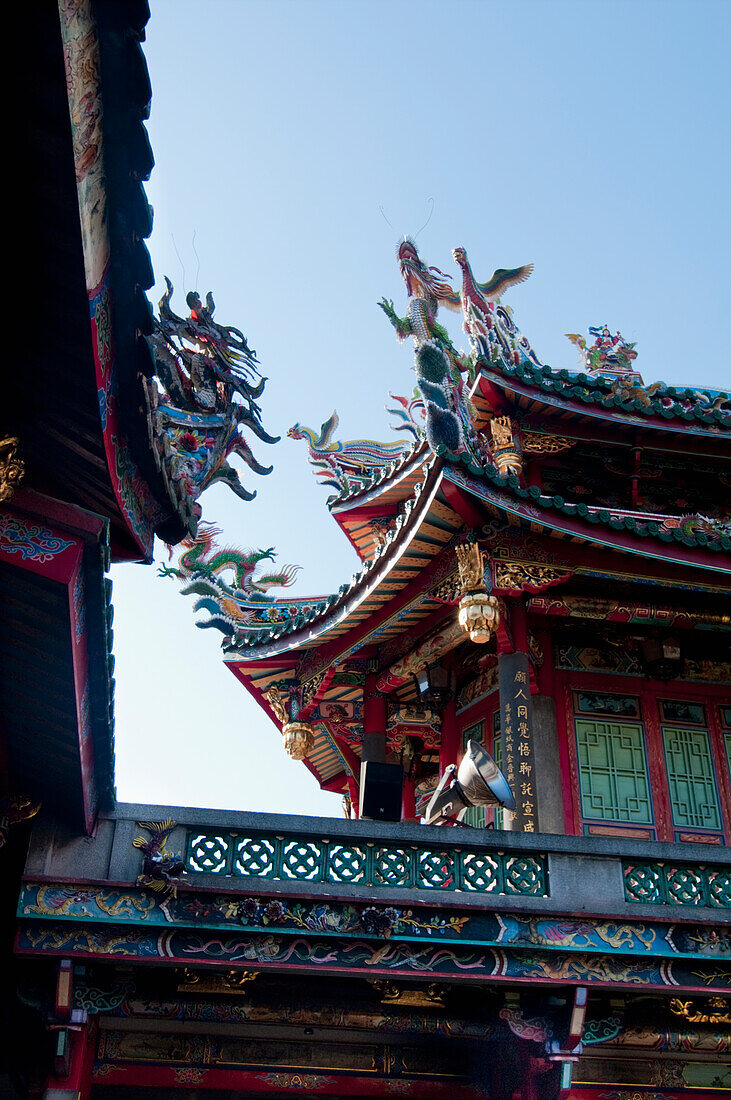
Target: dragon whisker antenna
<point>384,216</point>
<point>195,251</point>
<point>182,265</point>
<point>431,211</point>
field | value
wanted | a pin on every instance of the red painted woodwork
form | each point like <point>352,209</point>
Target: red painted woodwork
<point>77,1082</point>
<point>282,1082</point>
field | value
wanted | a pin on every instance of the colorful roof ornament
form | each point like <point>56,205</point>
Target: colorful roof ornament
<point>439,367</point>
<point>348,464</point>
<point>489,324</point>
<point>610,356</point>
<point>233,585</point>
<point>206,393</point>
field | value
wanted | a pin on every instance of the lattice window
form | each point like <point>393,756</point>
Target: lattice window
<point>613,771</point>
<point>392,867</point>
<point>475,816</point>
<point>255,856</point>
<point>482,871</point>
<point>209,853</point>
<point>497,752</point>
<point>346,863</point>
<point>692,785</point>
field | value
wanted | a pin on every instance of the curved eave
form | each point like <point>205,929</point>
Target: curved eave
<point>376,581</point>
<point>530,398</point>
<point>595,531</point>
<point>390,488</point>
<point>395,480</point>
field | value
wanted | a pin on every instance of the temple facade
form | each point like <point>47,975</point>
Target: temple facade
<point>544,591</point>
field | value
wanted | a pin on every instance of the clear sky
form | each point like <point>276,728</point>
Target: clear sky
<point>589,137</point>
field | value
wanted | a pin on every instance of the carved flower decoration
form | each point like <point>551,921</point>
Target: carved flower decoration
<point>274,911</point>
<point>379,922</point>
<point>249,908</point>
<point>187,442</point>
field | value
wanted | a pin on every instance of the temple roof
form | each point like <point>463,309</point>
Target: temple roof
<point>76,403</point>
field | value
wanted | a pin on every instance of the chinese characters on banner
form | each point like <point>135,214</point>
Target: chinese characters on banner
<point>516,732</point>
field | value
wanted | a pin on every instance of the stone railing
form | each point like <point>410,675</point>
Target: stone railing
<point>238,853</point>
<point>342,861</point>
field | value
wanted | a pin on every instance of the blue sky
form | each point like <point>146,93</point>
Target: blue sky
<point>590,138</point>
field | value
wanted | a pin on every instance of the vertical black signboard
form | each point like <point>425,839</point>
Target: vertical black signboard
<point>516,733</point>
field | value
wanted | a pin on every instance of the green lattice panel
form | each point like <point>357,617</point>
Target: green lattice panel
<point>208,853</point>
<point>673,884</point>
<point>644,882</point>
<point>524,875</point>
<point>436,870</point>
<point>613,771</point>
<point>393,867</point>
<point>719,888</point>
<point>347,863</point>
<point>691,780</point>
<point>483,872</point>
<point>311,859</point>
<point>302,859</point>
<point>256,856</point>
<point>686,885</point>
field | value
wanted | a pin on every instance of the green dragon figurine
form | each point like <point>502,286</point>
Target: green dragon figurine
<point>201,569</point>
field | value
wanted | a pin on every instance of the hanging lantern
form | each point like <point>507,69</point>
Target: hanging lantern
<point>479,615</point>
<point>299,739</point>
<point>662,658</point>
<point>479,612</point>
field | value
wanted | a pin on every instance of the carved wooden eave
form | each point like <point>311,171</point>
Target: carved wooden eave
<point>76,405</point>
<point>578,406</point>
<point>407,592</point>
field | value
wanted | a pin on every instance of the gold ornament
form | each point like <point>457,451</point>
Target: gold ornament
<point>277,702</point>
<point>515,576</point>
<point>505,452</point>
<point>471,562</point>
<point>538,444</point>
<point>12,468</point>
<point>479,615</point>
<point>716,1010</point>
<point>299,739</point>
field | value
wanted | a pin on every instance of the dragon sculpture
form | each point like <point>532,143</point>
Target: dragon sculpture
<point>345,464</point>
<point>439,367</point>
<point>238,601</point>
<point>204,397</point>
<point>161,869</point>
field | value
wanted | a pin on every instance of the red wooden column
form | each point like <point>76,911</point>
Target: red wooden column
<point>73,1061</point>
<point>408,799</point>
<point>374,720</point>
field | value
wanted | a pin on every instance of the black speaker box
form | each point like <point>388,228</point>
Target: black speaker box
<point>380,791</point>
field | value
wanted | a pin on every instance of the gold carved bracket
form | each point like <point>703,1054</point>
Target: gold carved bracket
<point>12,468</point>
<point>535,443</point>
<point>514,576</point>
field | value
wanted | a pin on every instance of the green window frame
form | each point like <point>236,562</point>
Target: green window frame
<point>691,778</point>
<point>613,775</point>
